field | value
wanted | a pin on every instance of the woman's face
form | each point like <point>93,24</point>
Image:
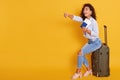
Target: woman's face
<point>87,12</point>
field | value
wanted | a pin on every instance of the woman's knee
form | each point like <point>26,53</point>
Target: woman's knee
<point>80,53</point>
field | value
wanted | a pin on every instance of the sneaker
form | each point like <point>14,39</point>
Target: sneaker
<point>88,73</point>
<point>77,75</point>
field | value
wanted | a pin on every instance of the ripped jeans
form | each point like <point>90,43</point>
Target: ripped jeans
<point>86,49</point>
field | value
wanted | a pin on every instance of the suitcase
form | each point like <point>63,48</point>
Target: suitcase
<point>100,59</point>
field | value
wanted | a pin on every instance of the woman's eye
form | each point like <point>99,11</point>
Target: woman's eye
<point>86,8</point>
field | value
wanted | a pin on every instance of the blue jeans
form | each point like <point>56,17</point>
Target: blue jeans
<point>86,49</point>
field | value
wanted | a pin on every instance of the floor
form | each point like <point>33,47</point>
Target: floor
<point>50,74</point>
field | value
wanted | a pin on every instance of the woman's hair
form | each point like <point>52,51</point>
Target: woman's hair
<point>91,8</point>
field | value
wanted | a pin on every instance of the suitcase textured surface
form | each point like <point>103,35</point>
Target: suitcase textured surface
<point>100,60</point>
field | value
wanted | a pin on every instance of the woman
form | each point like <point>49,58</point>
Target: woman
<point>91,32</point>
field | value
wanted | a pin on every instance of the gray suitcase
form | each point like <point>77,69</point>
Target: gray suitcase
<point>100,59</point>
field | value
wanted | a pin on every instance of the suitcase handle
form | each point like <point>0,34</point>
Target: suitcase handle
<point>105,34</point>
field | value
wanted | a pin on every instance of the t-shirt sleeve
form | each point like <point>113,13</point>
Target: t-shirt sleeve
<point>77,18</point>
<point>95,31</point>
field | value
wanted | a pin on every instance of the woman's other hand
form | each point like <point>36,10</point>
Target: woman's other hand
<point>65,15</point>
<point>68,15</point>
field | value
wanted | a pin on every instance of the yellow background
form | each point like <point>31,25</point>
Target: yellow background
<point>38,43</point>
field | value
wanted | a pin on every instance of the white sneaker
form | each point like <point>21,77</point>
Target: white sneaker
<point>77,75</point>
<point>88,73</point>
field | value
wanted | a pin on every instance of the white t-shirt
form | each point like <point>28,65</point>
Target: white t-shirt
<point>93,26</point>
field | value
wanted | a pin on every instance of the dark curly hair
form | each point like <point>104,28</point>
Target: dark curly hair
<point>91,8</point>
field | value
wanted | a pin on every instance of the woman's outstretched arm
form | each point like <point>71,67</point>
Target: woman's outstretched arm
<point>73,17</point>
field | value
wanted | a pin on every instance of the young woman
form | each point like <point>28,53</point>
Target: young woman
<point>91,32</point>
